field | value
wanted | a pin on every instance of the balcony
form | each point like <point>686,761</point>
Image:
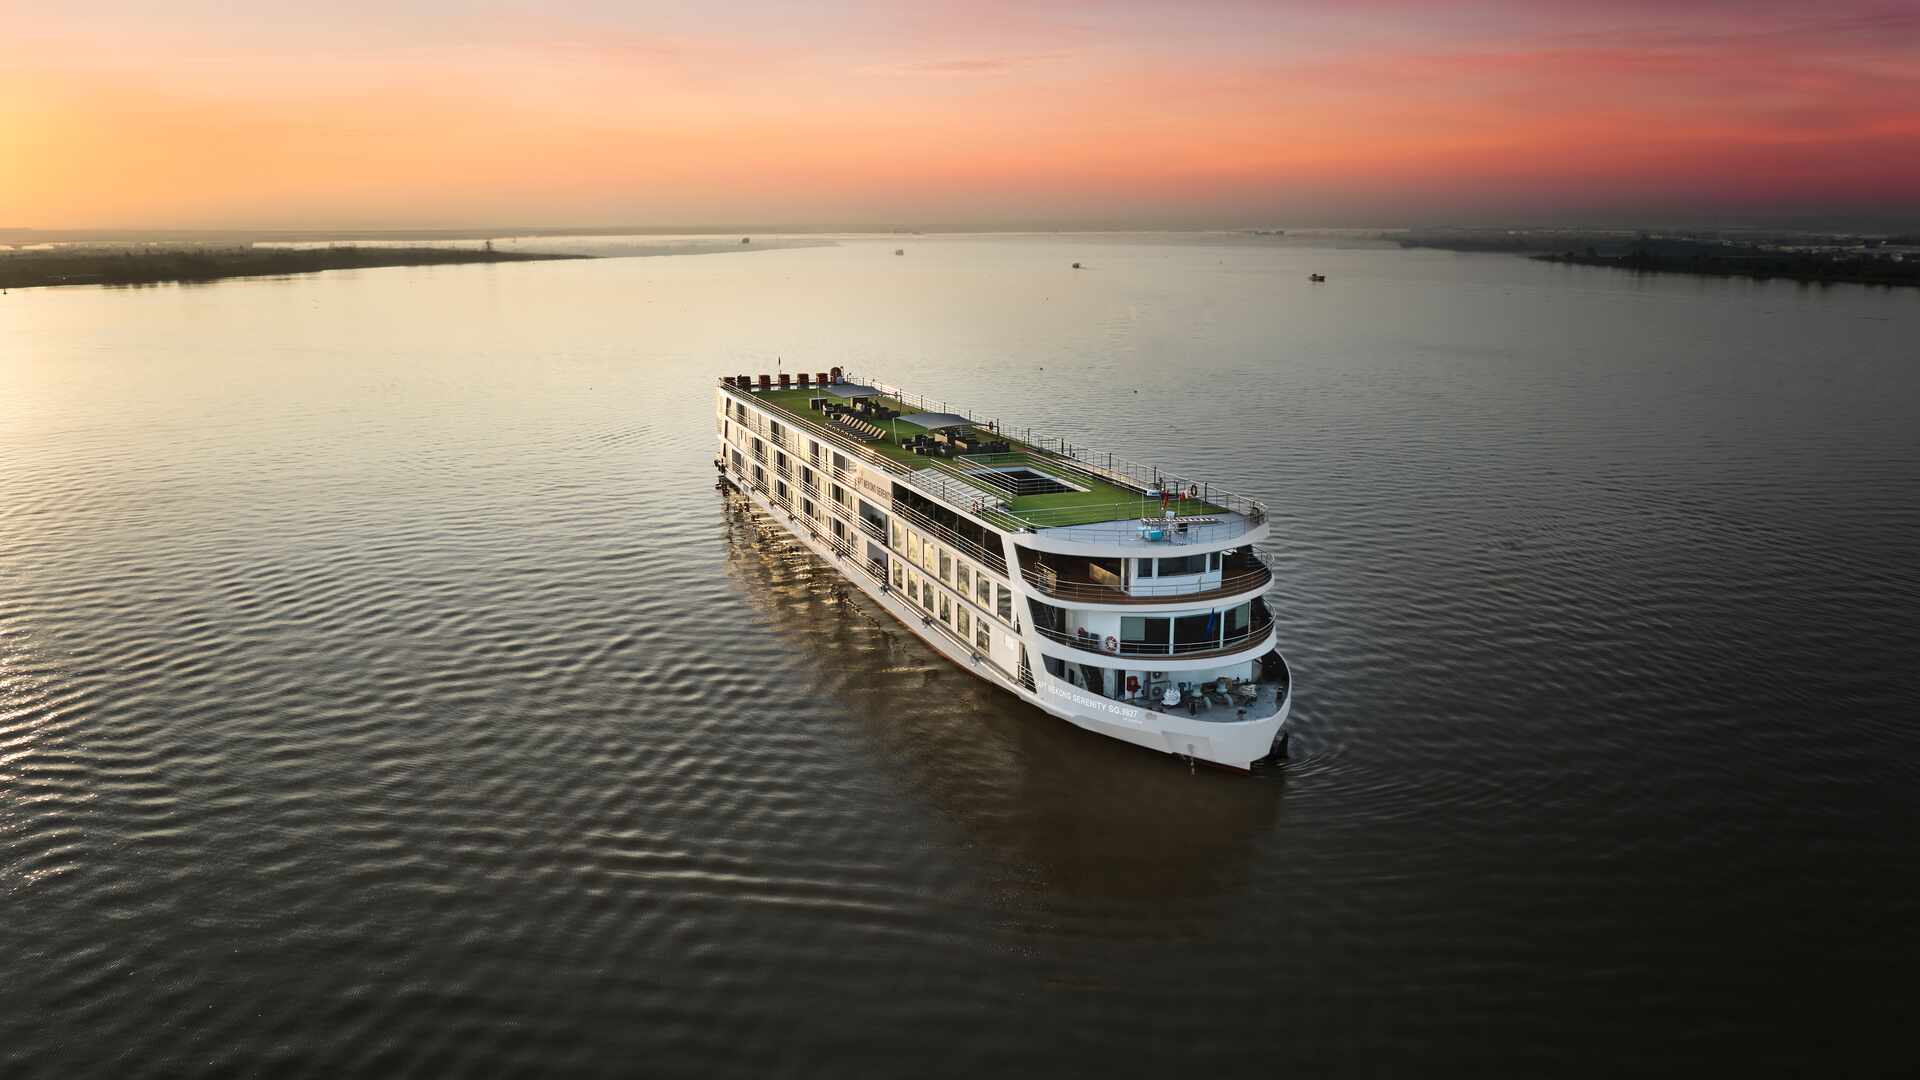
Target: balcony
<point>1244,570</point>
<point>1226,644</point>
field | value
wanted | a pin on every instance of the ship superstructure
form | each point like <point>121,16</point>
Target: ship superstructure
<point>1122,599</point>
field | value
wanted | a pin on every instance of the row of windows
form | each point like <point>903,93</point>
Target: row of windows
<point>967,580</point>
<point>939,604</point>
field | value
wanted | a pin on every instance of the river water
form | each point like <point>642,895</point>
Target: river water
<point>385,688</point>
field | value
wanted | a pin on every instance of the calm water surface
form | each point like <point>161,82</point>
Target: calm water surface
<point>384,687</point>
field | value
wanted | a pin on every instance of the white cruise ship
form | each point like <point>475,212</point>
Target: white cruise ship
<point>1114,596</point>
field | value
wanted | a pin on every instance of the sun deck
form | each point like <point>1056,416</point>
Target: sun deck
<point>1029,483</point>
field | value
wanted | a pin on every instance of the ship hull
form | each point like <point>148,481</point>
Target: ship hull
<point>1237,744</point>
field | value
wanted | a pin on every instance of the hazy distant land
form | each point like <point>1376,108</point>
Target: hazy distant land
<point>1814,258</point>
<point>95,265</point>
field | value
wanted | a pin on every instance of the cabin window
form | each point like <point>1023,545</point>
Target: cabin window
<point>946,609</point>
<point>929,557</point>
<point>962,577</point>
<point>897,574</point>
<point>913,548</point>
<point>946,568</point>
<point>983,591</point>
<point>777,433</point>
<point>1005,606</point>
<point>962,622</point>
<point>982,636</point>
<point>926,595</point>
<point>813,451</point>
<point>840,462</point>
<point>899,536</point>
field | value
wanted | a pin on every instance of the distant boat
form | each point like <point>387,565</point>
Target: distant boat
<point>1076,266</point>
<point>746,239</point>
<point>1316,277</point>
<point>899,251</point>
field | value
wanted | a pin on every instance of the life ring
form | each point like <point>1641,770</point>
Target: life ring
<point>1193,491</point>
<point>1112,643</point>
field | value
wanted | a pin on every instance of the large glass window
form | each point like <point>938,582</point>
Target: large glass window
<point>1185,564</point>
<point>962,621</point>
<point>930,557</point>
<point>1143,630</point>
<point>913,548</point>
<point>897,574</point>
<point>926,595</point>
<point>899,535</point>
<point>1196,631</point>
<point>982,636</point>
<point>946,567</point>
<point>1005,606</point>
<point>1239,618</point>
<point>946,608</point>
<point>983,591</point>
<point>961,578</point>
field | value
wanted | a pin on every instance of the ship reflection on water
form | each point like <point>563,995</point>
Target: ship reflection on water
<point>1054,814</point>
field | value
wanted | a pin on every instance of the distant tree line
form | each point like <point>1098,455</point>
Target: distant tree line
<point>93,266</point>
<point>1729,260</point>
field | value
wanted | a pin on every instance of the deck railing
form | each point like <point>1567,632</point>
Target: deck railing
<point>1056,454</point>
<point>1258,630</point>
<point>1245,580</point>
<point>1109,466</point>
<point>992,560</point>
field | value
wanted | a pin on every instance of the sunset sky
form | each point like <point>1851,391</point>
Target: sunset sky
<point>192,113</point>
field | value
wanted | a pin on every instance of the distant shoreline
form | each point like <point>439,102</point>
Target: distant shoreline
<point>1809,261</point>
<point>194,265</point>
<point>1810,269</point>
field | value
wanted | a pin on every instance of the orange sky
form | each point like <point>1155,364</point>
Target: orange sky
<point>203,114</point>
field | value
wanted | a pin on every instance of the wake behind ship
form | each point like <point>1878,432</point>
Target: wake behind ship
<point>1140,594</point>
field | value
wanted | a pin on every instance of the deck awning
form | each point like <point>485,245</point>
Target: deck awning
<point>934,421</point>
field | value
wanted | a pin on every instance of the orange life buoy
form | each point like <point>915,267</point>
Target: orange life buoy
<point>1193,491</point>
<point>1113,643</point>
